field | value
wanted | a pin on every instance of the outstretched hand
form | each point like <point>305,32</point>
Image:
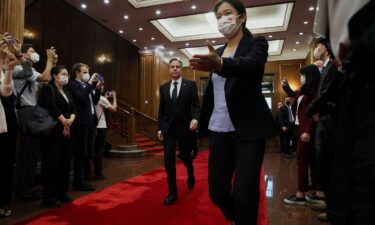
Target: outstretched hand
<point>206,62</point>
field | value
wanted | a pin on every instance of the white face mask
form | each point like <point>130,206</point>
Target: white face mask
<point>34,57</point>
<point>228,27</point>
<point>303,79</point>
<point>64,80</point>
<point>85,77</point>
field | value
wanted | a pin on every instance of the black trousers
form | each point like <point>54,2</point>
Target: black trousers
<point>83,151</point>
<point>285,141</point>
<point>185,141</point>
<point>231,156</point>
<point>7,159</point>
<point>56,164</point>
<point>29,152</point>
<point>101,135</point>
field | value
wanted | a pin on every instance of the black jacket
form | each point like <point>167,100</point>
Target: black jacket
<point>183,111</point>
<point>246,104</point>
<point>81,99</point>
<point>282,117</point>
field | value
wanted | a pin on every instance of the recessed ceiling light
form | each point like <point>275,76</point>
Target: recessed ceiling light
<point>294,49</point>
<point>106,1</point>
<point>145,48</point>
<point>140,28</point>
<point>300,33</point>
<point>193,7</point>
<point>311,8</point>
<point>270,36</point>
<point>83,6</point>
<point>187,44</point>
<point>171,53</point>
<point>152,38</point>
<point>126,17</point>
<point>134,40</point>
<point>306,22</point>
<point>297,42</point>
<point>158,12</point>
<point>121,31</point>
<point>213,41</point>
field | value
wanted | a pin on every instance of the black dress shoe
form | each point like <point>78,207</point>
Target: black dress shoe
<point>84,187</point>
<point>170,199</point>
<point>66,199</point>
<point>52,204</point>
<point>191,181</point>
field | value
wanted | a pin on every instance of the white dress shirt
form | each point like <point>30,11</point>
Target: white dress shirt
<point>179,81</point>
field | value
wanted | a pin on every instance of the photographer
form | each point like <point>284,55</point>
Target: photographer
<point>101,131</point>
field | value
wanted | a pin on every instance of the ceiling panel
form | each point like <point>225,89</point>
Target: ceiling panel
<point>147,3</point>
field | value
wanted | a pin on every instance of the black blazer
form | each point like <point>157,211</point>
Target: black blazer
<point>51,99</point>
<point>247,107</point>
<point>82,102</point>
<point>186,108</point>
<point>282,117</point>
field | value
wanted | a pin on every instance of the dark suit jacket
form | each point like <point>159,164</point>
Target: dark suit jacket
<point>247,107</point>
<point>186,108</point>
<point>51,99</point>
<point>81,99</point>
<point>282,117</point>
<point>306,124</point>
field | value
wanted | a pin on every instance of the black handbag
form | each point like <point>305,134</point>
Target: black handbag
<point>41,122</point>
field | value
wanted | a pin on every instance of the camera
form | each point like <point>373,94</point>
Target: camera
<point>11,40</point>
<point>110,93</point>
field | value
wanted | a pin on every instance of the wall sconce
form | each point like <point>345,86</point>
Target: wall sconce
<point>27,34</point>
<point>102,59</point>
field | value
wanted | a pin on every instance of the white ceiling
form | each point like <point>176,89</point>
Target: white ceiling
<point>181,24</point>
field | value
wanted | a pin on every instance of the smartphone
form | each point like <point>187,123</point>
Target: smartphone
<point>100,77</point>
<point>10,40</point>
<point>110,93</point>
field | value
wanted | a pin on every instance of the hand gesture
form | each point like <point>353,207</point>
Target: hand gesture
<point>93,78</point>
<point>66,132</point>
<point>305,137</point>
<point>160,135</point>
<point>4,50</point>
<point>51,54</point>
<point>284,82</point>
<point>10,61</point>
<point>208,62</point>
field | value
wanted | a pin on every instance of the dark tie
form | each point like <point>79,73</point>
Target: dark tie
<point>174,92</point>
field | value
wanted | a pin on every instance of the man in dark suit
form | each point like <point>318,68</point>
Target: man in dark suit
<point>84,127</point>
<point>284,119</point>
<point>179,111</point>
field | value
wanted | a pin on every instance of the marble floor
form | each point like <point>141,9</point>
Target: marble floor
<point>281,182</point>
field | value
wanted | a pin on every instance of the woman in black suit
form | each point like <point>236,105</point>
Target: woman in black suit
<point>56,149</point>
<point>236,114</point>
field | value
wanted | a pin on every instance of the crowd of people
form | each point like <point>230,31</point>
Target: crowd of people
<point>77,103</point>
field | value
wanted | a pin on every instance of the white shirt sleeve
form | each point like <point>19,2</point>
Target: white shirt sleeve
<point>104,102</point>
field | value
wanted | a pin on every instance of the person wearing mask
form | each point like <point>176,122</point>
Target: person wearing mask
<point>179,112</point>
<point>27,82</point>
<point>101,131</point>
<point>310,77</point>
<point>8,126</point>
<point>236,114</point>
<point>56,148</point>
<point>86,121</point>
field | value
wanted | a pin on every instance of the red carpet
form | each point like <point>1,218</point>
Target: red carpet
<point>139,201</point>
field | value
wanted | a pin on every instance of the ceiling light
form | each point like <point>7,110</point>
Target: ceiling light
<point>145,48</point>
<point>171,53</point>
<point>158,12</point>
<point>294,49</point>
<point>187,44</point>
<point>121,31</point>
<point>270,36</point>
<point>152,38</point>
<point>193,7</point>
<point>106,1</point>
<point>311,8</point>
<point>83,6</point>
<point>213,41</point>
<point>140,28</point>
<point>300,33</point>
<point>306,22</point>
<point>126,17</point>
<point>297,42</point>
<point>160,46</point>
<point>134,40</point>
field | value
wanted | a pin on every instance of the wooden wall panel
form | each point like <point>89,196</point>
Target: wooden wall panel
<point>12,16</point>
<point>78,38</point>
